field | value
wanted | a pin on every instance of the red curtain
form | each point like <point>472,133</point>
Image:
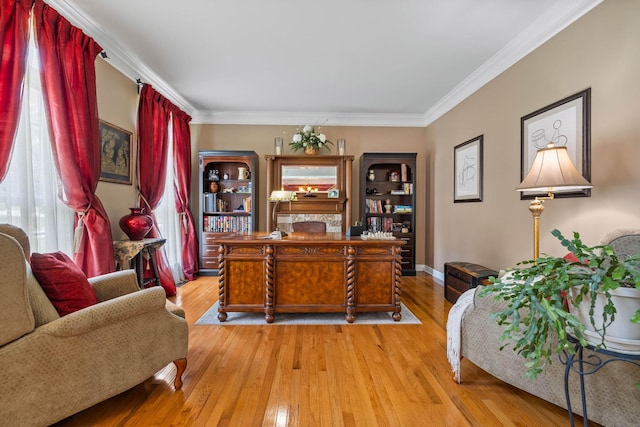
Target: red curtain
<point>153,143</point>
<point>14,34</point>
<point>182,184</point>
<point>69,90</point>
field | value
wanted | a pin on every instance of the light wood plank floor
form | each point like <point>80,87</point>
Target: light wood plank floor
<point>351,375</point>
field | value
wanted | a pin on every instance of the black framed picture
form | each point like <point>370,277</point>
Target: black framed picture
<point>564,123</point>
<point>115,146</point>
<point>467,159</point>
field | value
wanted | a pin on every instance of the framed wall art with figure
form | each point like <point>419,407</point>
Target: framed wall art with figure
<point>467,160</point>
<point>564,123</point>
<point>115,149</point>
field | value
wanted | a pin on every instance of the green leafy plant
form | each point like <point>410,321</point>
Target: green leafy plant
<point>537,292</point>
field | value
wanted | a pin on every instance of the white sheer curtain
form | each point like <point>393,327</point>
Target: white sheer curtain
<point>169,220</point>
<point>29,193</point>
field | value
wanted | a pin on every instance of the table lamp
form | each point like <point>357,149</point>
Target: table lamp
<point>278,196</point>
<point>552,170</point>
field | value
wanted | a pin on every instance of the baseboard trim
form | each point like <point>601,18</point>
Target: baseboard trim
<point>438,276</point>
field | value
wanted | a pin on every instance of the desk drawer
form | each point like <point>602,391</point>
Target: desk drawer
<point>208,262</point>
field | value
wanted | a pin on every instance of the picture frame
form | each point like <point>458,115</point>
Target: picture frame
<point>566,122</point>
<point>467,170</point>
<point>333,194</point>
<point>115,154</point>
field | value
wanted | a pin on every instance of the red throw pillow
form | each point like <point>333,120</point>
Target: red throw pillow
<point>63,282</point>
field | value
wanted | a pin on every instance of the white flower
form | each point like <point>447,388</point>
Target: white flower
<point>297,137</point>
<point>319,144</point>
<point>307,129</point>
<point>304,144</point>
<point>322,137</point>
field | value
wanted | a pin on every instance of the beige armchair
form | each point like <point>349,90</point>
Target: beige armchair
<point>56,366</point>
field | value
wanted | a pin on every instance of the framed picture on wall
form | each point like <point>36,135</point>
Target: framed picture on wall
<point>467,171</point>
<point>564,123</point>
<point>115,146</point>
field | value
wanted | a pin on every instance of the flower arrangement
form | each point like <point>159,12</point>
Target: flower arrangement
<point>309,139</point>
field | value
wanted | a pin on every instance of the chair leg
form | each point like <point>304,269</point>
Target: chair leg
<point>181,365</point>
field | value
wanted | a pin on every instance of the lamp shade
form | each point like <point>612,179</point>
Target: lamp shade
<point>552,170</point>
<point>282,196</point>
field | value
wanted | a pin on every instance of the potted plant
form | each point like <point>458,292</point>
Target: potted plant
<point>539,294</point>
<point>309,139</point>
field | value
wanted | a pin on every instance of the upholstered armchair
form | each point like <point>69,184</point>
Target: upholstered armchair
<point>52,366</point>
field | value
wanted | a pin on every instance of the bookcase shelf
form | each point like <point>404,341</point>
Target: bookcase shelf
<point>227,200</point>
<point>388,199</point>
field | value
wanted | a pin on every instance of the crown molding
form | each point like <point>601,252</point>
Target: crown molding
<point>125,62</point>
<point>537,33</point>
<point>557,18</point>
<point>295,118</point>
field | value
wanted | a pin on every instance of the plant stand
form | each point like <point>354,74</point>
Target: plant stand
<point>575,362</point>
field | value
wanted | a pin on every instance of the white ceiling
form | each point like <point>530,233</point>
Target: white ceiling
<point>343,62</point>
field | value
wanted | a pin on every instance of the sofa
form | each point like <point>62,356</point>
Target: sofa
<point>53,366</point>
<point>611,394</point>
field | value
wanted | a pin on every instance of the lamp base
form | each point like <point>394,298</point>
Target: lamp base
<point>536,206</point>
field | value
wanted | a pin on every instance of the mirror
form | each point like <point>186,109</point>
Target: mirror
<point>309,178</point>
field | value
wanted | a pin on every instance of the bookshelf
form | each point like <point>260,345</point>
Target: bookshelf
<point>388,199</point>
<point>228,192</point>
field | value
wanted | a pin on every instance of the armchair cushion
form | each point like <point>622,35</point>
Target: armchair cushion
<point>64,283</point>
<point>16,316</point>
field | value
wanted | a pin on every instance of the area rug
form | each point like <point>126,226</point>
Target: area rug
<point>210,317</point>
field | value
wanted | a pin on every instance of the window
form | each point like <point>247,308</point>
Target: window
<point>169,220</point>
<point>29,193</point>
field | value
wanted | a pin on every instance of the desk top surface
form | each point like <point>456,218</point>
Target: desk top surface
<point>301,238</point>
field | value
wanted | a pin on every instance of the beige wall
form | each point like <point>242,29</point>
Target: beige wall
<point>117,104</point>
<point>359,140</point>
<point>599,51</point>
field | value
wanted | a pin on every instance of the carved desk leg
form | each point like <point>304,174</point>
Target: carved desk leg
<point>351,283</point>
<point>222,314</point>
<point>398,290</point>
<point>269,310</point>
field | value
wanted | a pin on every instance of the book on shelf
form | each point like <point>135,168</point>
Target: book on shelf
<point>210,202</point>
<point>374,206</point>
<point>227,224</point>
<point>403,209</point>
<point>376,223</point>
<point>403,172</point>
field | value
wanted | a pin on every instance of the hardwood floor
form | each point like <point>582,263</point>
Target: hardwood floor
<point>351,375</point>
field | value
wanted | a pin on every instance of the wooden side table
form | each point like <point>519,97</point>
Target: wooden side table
<point>131,253</point>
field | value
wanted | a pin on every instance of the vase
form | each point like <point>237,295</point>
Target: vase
<point>137,224</point>
<point>622,334</point>
<point>310,150</point>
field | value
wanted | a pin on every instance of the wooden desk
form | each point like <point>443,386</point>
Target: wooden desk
<point>308,273</point>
